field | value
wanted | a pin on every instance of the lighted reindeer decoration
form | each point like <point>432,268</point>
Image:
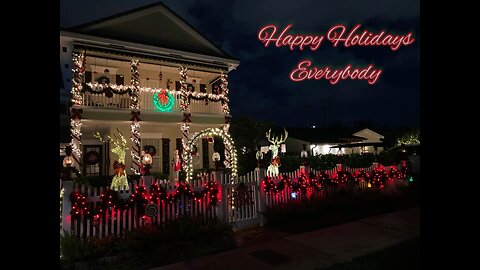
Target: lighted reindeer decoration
<point>120,178</point>
<point>276,142</point>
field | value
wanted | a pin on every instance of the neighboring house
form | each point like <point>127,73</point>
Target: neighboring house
<point>333,141</point>
<point>162,43</point>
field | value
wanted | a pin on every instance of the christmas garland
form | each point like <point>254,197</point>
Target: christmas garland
<point>207,97</point>
<point>96,88</point>
<point>341,177</point>
<point>361,176</point>
<point>303,183</point>
<point>108,90</point>
<point>398,173</point>
<point>140,198</point>
<point>379,177</point>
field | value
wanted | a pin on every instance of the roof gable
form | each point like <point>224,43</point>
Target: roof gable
<point>367,130</point>
<point>323,135</point>
<point>154,25</point>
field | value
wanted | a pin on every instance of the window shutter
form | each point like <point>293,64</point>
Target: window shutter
<point>179,146</point>
<point>205,154</point>
<point>88,76</point>
<point>166,155</point>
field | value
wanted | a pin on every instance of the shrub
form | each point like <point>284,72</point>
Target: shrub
<point>74,249</point>
<point>337,208</point>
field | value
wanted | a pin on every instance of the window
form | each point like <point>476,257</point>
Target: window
<point>92,160</point>
<point>203,88</point>
<point>103,80</point>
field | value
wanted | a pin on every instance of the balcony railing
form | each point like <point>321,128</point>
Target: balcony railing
<point>118,97</point>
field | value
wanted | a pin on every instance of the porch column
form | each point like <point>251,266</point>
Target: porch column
<point>230,155</point>
<point>135,125</point>
<point>185,126</point>
<point>79,61</point>
<point>260,175</point>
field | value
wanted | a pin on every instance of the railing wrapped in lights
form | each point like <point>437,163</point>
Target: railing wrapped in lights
<point>118,96</point>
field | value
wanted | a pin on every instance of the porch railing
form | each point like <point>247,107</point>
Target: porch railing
<point>118,97</point>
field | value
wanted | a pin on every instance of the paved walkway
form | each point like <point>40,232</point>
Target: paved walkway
<point>315,249</point>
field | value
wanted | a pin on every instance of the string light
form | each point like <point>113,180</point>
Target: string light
<point>139,199</point>
<point>224,87</point>
<point>135,125</point>
<point>135,84</point>
<point>230,152</point>
<point>78,69</point>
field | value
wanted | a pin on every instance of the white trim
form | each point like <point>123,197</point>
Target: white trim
<point>154,50</point>
<point>91,142</point>
<point>152,135</point>
<point>151,10</point>
<point>368,130</point>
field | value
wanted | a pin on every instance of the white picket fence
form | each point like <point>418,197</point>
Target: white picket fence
<point>240,201</point>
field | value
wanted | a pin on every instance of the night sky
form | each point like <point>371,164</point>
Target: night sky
<point>260,87</point>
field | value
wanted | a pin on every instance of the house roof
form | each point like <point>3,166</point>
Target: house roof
<point>155,25</point>
<point>323,135</point>
<point>348,145</point>
<point>368,130</point>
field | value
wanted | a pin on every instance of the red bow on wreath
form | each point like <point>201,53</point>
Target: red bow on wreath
<point>163,97</point>
<point>76,114</point>
<point>135,116</point>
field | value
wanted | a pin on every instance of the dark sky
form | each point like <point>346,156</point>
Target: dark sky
<point>260,86</point>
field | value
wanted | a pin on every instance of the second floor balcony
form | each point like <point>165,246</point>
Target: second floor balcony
<point>118,97</point>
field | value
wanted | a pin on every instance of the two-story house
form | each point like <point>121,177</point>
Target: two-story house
<point>150,75</point>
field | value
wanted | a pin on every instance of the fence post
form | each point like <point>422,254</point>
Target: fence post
<point>67,206</point>
<point>305,170</point>
<point>147,181</point>
<point>260,173</point>
<point>222,206</point>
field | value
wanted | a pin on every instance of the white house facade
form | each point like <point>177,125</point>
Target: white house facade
<point>150,76</point>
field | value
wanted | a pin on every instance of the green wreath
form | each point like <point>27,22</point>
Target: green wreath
<point>164,107</point>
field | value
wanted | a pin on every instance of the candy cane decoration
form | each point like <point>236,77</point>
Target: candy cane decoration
<point>135,125</point>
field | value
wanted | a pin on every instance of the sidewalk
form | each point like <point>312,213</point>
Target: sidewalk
<point>315,249</point>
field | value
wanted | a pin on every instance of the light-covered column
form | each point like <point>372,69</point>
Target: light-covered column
<point>79,61</point>
<point>135,125</point>
<point>185,126</point>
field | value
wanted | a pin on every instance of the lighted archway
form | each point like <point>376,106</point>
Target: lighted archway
<point>230,152</point>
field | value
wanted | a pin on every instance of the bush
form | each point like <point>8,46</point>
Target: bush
<point>386,158</point>
<point>74,249</point>
<point>356,160</point>
<point>148,246</point>
<point>337,208</point>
